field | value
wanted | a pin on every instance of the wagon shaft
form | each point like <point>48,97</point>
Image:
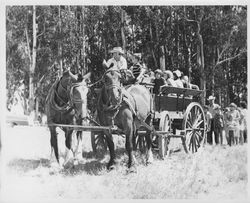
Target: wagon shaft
<point>85,128</point>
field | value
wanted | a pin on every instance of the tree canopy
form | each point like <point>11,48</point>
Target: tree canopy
<point>208,43</point>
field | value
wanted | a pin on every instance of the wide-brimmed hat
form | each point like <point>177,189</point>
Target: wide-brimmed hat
<point>232,105</point>
<point>137,55</point>
<point>211,97</point>
<point>168,73</point>
<point>117,49</point>
<point>177,73</point>
<point>158,71</point>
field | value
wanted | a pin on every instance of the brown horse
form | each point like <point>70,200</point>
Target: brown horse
<point>127,109</point>
<point>66,103</point>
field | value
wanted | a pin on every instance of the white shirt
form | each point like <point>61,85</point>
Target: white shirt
<point>121,64</point>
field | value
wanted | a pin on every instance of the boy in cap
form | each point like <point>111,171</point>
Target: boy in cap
<point>117,59</point>
<point>232,118</point>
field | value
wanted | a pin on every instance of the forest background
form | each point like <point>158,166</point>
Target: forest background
<point>207,43</point>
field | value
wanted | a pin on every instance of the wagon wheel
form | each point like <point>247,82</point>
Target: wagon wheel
<point>98,142</point>
<point>193,125</point>
<point>165,125</point>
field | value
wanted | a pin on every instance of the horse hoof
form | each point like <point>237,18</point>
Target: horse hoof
<point>148,162</point>
<point>76,162</point>
<point>68,164</point>
<point>132,169</point>
<point>55,168</point>
<point>110,167</point>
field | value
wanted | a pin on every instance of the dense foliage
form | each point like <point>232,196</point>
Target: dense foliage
<point>209,40</point>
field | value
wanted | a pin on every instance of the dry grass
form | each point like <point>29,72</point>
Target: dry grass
<point>217,172</point>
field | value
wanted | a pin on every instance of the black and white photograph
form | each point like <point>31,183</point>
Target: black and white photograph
<point>137,101</point>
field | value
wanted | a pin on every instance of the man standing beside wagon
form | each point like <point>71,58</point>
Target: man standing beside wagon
<point>211,108</point>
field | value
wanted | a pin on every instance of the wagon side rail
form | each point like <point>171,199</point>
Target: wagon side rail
<point>180,91</point>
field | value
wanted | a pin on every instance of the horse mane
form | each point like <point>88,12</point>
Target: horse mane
<point>102,100</point>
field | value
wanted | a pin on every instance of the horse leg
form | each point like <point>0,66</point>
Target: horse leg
<point>69,149</point>
<point>54,157</point>
<point>111,147</point>
<point>78,151</point>
<point>149,140</point>
<point>129,145</point>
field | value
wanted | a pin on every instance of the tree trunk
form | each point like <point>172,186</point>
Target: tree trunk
<point>122,30</point>
<point>212,74</point>
<point>33,65</point>
<point>162,58</point>
<point>202,67</point>
<point>60,43</point>
<point>152,45</point>
<point>83,41</point>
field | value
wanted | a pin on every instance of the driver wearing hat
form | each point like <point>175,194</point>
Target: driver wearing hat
<point>117,60</point>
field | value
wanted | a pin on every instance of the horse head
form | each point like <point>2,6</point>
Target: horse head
<point>112,84</point>
<point>74,89</point>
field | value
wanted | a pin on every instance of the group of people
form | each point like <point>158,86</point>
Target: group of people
<point>139,71</point>
<point>169,78</point>
<point>231,120</point>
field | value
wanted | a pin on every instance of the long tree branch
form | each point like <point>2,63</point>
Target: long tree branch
<point>228,59</point>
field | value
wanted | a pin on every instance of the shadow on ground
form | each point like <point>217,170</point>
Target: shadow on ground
<point>26,165</point>
<point>92,163</point>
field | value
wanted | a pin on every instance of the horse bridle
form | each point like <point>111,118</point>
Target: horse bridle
<point>69,91</point>
<point>119,87</point>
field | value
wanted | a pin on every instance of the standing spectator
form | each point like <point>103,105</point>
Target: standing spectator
<point>208,117</point>
<point>226,123</point>
<point>232,119</point>
<point>177,78</point>
<point>243,122</point>
<point>212,105</point>
<point>158,81</point>
<point>218,125</point>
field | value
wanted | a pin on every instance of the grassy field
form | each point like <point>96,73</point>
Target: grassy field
<point>215,172</point>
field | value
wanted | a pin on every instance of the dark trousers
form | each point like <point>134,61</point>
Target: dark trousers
<point>218,135</point>
<point>210,133</point>
<point>245,136</point>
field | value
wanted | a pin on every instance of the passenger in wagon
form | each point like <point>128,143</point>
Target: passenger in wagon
<point>137,68</point>
<point>169,78</point>
<point>158,81</point>
<point>187,84</point>
<point>177,78</point>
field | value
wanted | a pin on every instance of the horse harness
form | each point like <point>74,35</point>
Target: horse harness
<point>67,105</point>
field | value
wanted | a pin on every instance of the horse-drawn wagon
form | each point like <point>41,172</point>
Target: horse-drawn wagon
<point>176,113</point>
<point>141,116</point>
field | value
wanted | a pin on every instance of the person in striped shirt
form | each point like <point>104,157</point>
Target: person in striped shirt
<point>137,68</point>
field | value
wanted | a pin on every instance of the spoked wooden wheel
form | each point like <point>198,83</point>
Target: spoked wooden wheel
<point>98,142</point>
<point>163,141</point>
<point>194,127</point>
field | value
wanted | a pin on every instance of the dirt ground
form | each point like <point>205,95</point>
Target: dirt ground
<point>215,172</point>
